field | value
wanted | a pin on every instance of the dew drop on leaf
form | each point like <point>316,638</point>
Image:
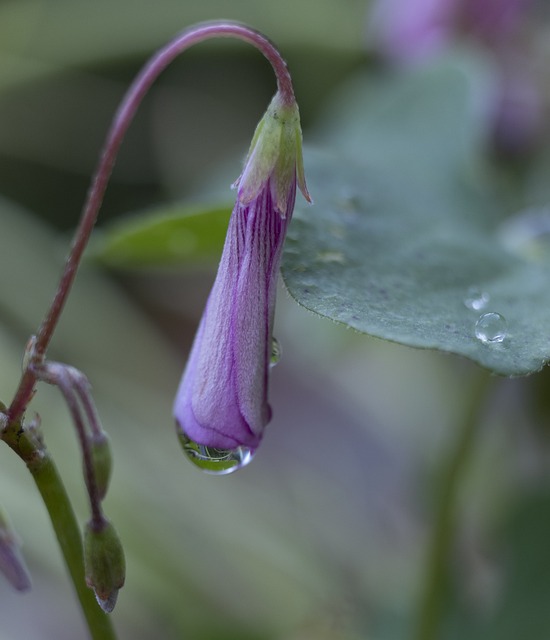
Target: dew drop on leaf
<point>476,299</point>
<point>491,328</point>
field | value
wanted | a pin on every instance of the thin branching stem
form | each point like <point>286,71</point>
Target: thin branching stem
<point>64,377</point>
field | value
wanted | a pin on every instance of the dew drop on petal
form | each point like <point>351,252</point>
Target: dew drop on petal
<point>476,299</point>
<point>215,461</point>
<point>276,352</point>
<point>491,328</point>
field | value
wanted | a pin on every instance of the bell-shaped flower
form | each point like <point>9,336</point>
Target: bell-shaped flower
<point>221,408</point>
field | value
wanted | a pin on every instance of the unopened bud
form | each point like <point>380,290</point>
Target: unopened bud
<point>12,563</point>
<point>104,563</point>
<point>102,463</point>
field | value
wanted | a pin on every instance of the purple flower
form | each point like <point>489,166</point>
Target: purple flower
<point>495,21</point>
<point>410,30</point>
<point>221,407</point>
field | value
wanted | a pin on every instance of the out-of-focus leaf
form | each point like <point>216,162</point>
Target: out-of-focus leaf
<point>65,32</point>
<point>521,609</point>
<point>182,235</point>
<point>422,127</point>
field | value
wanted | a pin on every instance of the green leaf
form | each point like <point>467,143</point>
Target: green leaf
<point>521,609</point>
<point>128,31</point>
<point>423,127</point>
<point>405,223</point>
<point>182,235</point>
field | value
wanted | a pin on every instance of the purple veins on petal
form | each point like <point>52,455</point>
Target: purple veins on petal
<point>222,402</point>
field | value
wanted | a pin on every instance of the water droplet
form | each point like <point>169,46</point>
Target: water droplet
<point>215,461</point>
<point>276,352</point>
<point>476,299</point>
<point>491,328</point>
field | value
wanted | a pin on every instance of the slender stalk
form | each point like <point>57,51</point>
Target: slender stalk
<point>52,490</point>
<point>23,441</point>
<point>119,126</point>
<point>70,382</point>
<point>435,589</point>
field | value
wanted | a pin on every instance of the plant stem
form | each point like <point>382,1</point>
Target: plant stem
<point>435,588</point>
<point>22,441</point>
<point>115,135</point>
<point>52,490</point>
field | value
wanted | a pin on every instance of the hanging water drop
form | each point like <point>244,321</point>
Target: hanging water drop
<point>476,299</point>
<point>491,328</point>
<point>215,461</point>
<point>276,352</point>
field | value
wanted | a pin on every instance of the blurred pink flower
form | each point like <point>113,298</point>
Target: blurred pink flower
<point>409,30</point>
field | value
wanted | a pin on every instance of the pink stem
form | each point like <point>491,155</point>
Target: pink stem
<point>117,131</point>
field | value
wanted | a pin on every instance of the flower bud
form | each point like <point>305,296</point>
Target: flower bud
<point>102,463</point>
<point>104,563</point>
<point>221,407</point>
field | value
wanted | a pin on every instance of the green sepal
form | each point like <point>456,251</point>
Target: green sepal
<point>276,153</point>
<point>102,463</point>
<point>104,563</point>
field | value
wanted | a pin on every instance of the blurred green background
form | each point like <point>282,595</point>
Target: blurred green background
<point>325,535</point>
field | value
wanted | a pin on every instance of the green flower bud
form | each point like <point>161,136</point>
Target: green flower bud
<point>102,463</point>
<point>104,563</point>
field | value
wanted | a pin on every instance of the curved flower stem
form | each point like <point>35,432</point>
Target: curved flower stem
<point>44,472</point>
<point>435,589</point>
<point>24,441</point>
<point>119,126</point>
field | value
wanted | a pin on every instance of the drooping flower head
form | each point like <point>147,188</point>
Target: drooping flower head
<point>221,407</point>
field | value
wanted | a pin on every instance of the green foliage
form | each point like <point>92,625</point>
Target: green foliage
<point>404,228</point>
<point>523,558</point>
<point>399,266</point>
<point>183,235</point>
